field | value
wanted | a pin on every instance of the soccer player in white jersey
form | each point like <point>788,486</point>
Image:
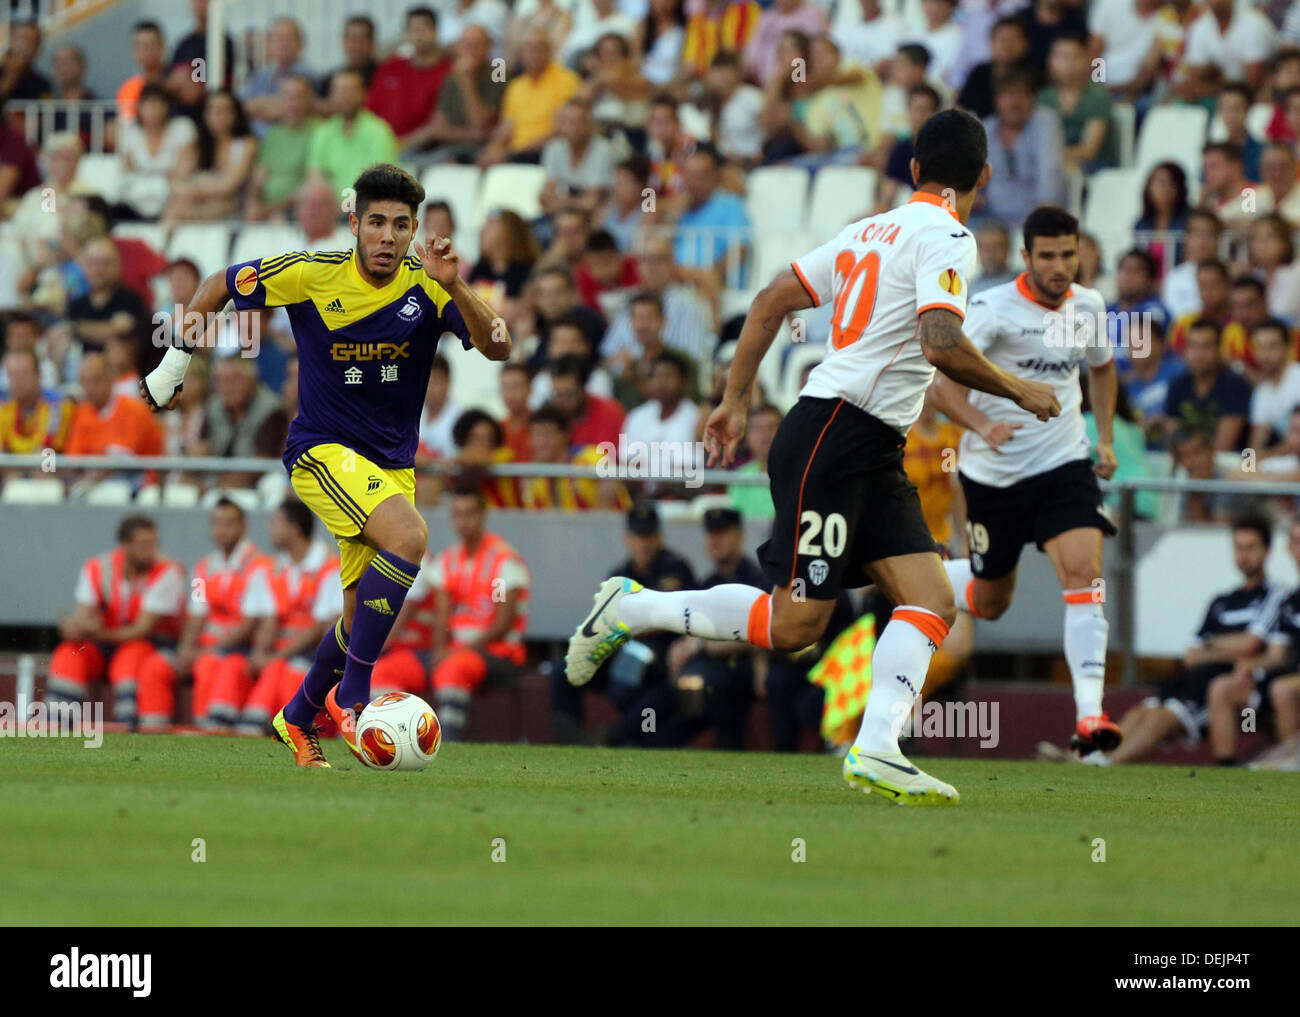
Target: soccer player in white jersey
<point>846,515</point>
<point>1028,480</point>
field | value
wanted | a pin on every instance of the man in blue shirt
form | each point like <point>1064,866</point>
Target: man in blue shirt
<point>713,227</point>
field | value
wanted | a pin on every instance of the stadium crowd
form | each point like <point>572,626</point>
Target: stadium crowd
<point>648,118</point>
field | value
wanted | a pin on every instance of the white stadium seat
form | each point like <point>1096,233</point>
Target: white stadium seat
<point>152,233</point>
<point>264,240</point>
<point>113,491</point>
<point>272,489</point>
<point>32,491</point>
<point>1258,119</point>
<point>246,498</point>
<point>100,174</point>
<point>459,187</point>
<point>1113,204</point>
<point>513,186</point>
<point>1172,134</point>
<point>176,495</point>
<point>205,244</point>
<point>800,356</point>
<point>773,252</point>
<point>475,380</point>
<point>840,195</point>
<point>778,196</point>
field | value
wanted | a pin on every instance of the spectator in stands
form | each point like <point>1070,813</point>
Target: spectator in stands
<point>923,102</point>
<point>616,90</point>
<point>1136,300</point>
<point>122,354</point>
<point>1226,191</point>
<point>714,26</point>
<point>149,52</point>
<point>1249,310</point>
<point>551,440</point>
<point>1180,290</point>
<point>788,90</point>
<point>37,218</point>
<point>755,501</point>
<point>907,70</point>
<point>155,149</point>
<point>404,90</point>
<point>993,243</point>
<point>636,677</point>
<point>31,419</point>
<point>632,362</point>
<point>140,262</point>
<point>1283,464</point>
<point>627,209</point>
<point>531,102</point>
<point>1209,397</point>
<point>594,419</point>
<point>1009,47</point>
<point>686,324</point>
<point>660,37</point>
<point>481,586</point>
<point>211,181</point>
<point>567,339</point>
<point>1291,111</point>
<point>1271,253</point>
<point>930,461</point>
<point>943,36</point>
<point>243,418</point>
<point>1229,633</point>
<point>1025,151</point>
<point>316,211</point>
<point>181,428</point>
<point>1092,273</point>
<point>468,106</point>
<point>549,17</point>
<point>667,420</point>
<point>1229,41</point>
<point>440,413</point>
<point>217,632</point>
<point>353,138</point>
<point>1130,35</point>
<point>1147,384</point>
<point>19,78</point>
<point>737,133</point>
<point>186,87</point>
<point>579,164</point>
<point>108,308</point>
<point>595,19</point>
<point>717,679</point>
<point>296,599</point>
<point>262,93</point>
<point>18,170</point>
<point>129,603</point>
<point>833,127</point>
<point>516,388</point>
<point>1233,104</point>
<point>492,16</point>
<point>667,145</point>
<point>358,46</point>
<point>480,443</point>
<point>551,296</point>
<point>1083,105</point>
<point>871,40</point>
<point>1213,286</point>
<point>713,228</point>
<point>507,253</point>
<point>1286,76</point>
<point>68,70</point>
<point>1165,209</point>
<point>283,152</point>
<point>1277,390</point>
<point>606,277</point>
<point>1280,189</point>
<point>1045,22</point>
<point>1193,455</point>
<point>761,56</point>
<point>570,229</point>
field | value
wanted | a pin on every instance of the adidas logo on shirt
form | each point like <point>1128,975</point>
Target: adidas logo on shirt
<point>335,306</point>
<point>380,605</point>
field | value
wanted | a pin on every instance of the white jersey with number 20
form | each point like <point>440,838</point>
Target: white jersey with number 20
<point>881,273</point>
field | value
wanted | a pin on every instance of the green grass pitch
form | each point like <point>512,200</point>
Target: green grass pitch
<point>600,836</point>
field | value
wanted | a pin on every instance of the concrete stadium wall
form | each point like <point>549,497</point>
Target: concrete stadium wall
<point>1178,571</point>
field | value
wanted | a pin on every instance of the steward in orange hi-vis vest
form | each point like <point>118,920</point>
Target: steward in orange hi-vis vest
<point>216,636</point>
<point>129,605</point>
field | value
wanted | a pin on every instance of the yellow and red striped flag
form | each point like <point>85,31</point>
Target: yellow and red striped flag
<point>844,672</point>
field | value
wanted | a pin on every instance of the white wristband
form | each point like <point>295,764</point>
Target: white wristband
<point>166,378</point>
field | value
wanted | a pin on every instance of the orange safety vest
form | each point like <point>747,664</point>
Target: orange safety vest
<point>120,599</point>
<point>222,588</point>
<point>471,583</point>
<point>294,592</point>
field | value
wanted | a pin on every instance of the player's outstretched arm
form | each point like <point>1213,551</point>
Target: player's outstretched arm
<point>948,349</point>
<point>726,425</point>
<point>161,387</point>
<point>1103,391</point>
<point>487,329</point>
<point>953,401</point>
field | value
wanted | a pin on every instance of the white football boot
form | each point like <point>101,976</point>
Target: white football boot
<point>890,775</point>
<point>601,633</point>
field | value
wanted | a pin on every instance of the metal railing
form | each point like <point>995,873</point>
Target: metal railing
<point>87,117</point>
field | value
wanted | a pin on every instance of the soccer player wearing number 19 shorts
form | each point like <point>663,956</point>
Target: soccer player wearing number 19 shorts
<point>846,515</point>
<point>1031,481</point>
<point>367,323</point>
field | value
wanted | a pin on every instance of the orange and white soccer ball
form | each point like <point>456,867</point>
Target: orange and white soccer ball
<point>398,731</point>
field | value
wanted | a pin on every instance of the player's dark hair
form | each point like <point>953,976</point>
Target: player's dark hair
<point>601,242</point>
<point>225,503</point>
<point>386,182</point>
<point>915,53</point>
<point>1148,262</point>
<point>952,149</point>
<point>1250,519</point>
<point>299,516</point>
<point>1049,221</point>
<point>1226,149</point>
<point>549,413</point>
<point>570,366</point>
<point>470,419</point>
<point>133,523</point>
<point>1248,282</point>
<point>442,365</point>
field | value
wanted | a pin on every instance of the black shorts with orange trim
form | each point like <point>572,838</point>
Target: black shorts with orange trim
<point>842,499</point>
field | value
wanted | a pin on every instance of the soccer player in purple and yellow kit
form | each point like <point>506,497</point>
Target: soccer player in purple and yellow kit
<point>367,324</point>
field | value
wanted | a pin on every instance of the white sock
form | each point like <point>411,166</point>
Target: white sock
<point>898,668</point>
<point>1086,631</point>
<point>960,575</point>
<point>721,613</point>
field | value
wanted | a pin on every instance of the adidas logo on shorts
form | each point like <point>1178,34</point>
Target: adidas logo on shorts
<point>335,306</point>
<point>380,605</point>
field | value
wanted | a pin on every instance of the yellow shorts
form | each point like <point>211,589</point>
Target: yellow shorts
<point>343,487</point>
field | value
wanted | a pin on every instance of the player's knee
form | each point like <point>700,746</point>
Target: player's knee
<point>412,539</point>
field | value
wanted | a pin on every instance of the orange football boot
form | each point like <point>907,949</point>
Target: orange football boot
<point>345,720</point>
<point>1096,734</point>
<point>305,744</point>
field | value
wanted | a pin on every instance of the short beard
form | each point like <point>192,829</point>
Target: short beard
<point>371,269</point>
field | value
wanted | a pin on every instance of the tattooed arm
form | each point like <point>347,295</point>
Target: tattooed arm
<point>948,349</point>
<point>726,426</point>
